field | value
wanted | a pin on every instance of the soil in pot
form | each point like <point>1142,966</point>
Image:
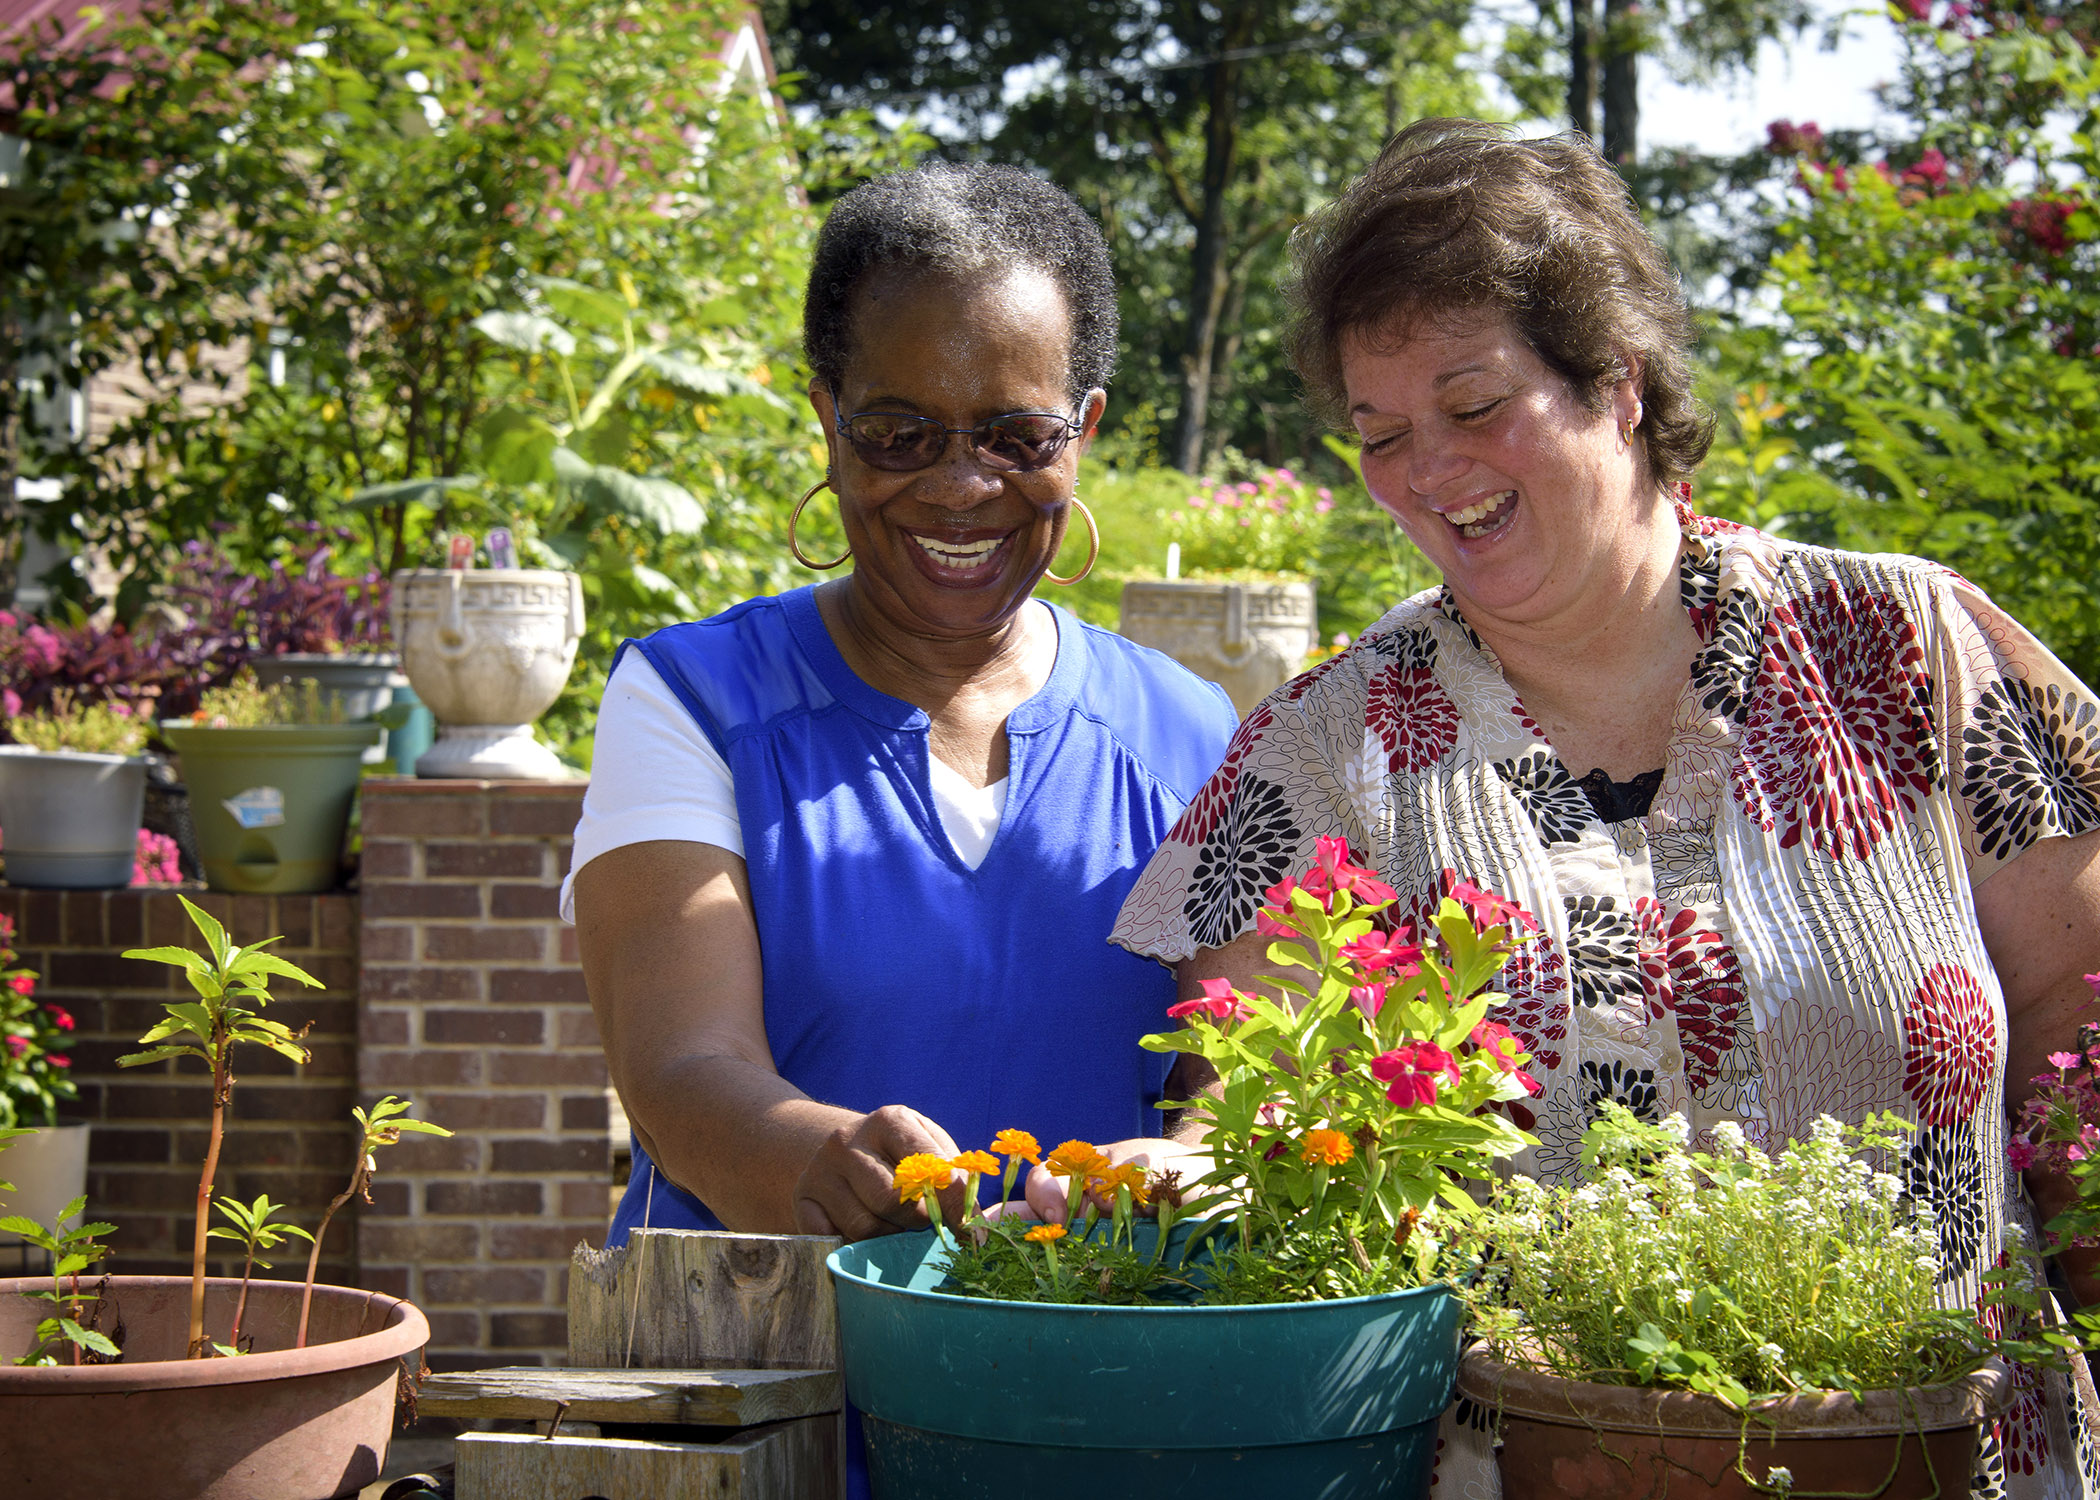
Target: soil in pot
<point>966,1397</point>
<point>276,1424</point>
<point>1576,1440</point>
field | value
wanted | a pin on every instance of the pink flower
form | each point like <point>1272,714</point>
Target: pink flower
<point>10,703</point>
<point>16,1046</point>
<point>1219,1003</point>
<point>58,1059</point>
<point>22,984</point>
<point>2065,1060</point>
<point>1332,872</point>
<point>1382,950</point>
<point>1283,476</point>
<point>1268,926</point>
<point>2091,979</point>
<point>60,1017</point>
<point>2019,1153</point>
<point>1490,910</point>
<point>41,651</point>
<point>1369,997</point>
<point>1411,1070</point>
<point>1503,1049</point>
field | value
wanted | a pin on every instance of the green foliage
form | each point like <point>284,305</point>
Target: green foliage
<point>1930,383</point>
<point>244,703</point>
<point>254,1227</point>
<point>104,728</point>
<point>72,1251</point>
<point>232,987</point>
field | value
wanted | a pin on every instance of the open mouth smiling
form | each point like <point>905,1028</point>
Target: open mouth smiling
<point>1484,516</point>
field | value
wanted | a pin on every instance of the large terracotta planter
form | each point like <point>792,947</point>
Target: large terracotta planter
<point>70,820</point>
<point>278,1424</point>
<point>49,1170</point>
<point>1575,1440</point>
<point>1249,638</point>
<point>489,650</point>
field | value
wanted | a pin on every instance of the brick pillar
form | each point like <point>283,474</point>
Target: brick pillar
<point>289,1134</point>
<point>472,1004</point>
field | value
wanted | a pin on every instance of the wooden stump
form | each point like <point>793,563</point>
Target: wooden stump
<point>729,1340</point>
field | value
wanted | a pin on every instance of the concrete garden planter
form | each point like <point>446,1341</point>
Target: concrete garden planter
<point>49,1170</point>
<point>966,1397</point>
<point>270,803</point>
<point>488,650</point>
<point>69,820</point>
<point>1249,638</point>
<point>1574,1440</point>
<point>276,1424</point>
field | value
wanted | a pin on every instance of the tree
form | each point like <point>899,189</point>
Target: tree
<point>1198,133</point>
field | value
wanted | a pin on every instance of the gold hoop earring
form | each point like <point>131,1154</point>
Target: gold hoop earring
<point>809,562</point>
<point>1093,546</point>
<point>1626,432</point>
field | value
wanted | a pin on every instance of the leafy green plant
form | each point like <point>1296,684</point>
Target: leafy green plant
<point>232,986</point>
<point>255,1229</point>
<point>384,1126</point>
<point>1735,1272</point>
<point>245,703</point>
<point>108,727</point>
<point>72,1251</point>
<point>1264,526</point>
<point>34,1074</point>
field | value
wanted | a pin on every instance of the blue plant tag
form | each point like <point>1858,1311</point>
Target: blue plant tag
<point>258,807</point>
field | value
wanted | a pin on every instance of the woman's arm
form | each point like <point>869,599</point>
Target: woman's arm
<point>2040,916</point>
<point>671,959</point>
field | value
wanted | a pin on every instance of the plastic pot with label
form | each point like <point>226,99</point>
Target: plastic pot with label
<point>270,804</point>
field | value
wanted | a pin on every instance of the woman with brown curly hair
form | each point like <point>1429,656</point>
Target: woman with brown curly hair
<point>1804,831</point>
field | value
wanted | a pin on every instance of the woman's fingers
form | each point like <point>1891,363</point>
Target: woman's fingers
<point>848,1188</point>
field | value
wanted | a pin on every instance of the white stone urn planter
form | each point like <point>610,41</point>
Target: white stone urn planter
<point>488,649</point>
<point>1249,638</point>
<point>49,1170</point>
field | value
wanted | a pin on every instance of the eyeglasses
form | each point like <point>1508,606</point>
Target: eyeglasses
<point>1019,442</point>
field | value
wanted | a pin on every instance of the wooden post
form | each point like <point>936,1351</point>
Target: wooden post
<point>733,1337</point>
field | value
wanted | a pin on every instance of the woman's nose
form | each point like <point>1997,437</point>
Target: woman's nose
<point>1432,463</point>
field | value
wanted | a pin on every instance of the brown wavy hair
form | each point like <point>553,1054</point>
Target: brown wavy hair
<point>1457,217</point>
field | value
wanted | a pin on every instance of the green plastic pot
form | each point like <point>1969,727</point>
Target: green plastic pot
<point>962,1397</point>
<point>270,804</point>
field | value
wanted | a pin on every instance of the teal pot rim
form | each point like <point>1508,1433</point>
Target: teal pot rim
<point>274,739</point>
<point>1264,1375</point>
<point>91,757</point>
<point>341,658</point>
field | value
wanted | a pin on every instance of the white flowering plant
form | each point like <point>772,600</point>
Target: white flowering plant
<point>1736,1272</point>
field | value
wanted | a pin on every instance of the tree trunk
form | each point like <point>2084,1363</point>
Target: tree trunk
<point>1582,66</point>
<point>1622,99</point>
<point>1208,278</point>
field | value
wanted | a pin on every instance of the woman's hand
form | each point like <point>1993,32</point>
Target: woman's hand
<point>847,1188</point>
<point>1047,1196</point>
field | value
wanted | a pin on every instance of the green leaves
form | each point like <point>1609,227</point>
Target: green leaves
<point>254,1227</point>
<point>72,1251</point>
<point>225,975</point>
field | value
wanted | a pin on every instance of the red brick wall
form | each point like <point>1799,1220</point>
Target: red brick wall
<point>472,1004</point>
<point>290,1133</point>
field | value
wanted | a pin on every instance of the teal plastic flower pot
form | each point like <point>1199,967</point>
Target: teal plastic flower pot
<point>962,1397</point>
<point>270,804</point>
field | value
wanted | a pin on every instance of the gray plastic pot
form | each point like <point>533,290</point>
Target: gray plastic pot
<point>68,820</point>
<point>363,682</point>
<point>276,1424</point>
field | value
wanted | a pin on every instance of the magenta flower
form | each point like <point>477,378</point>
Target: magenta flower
<point>1369,998</point>
<point>58,1059</point>
<point>1503,1049</point>
<point>16,1045</point>
<point>2065,1060</point>
<point>22,984</point>
<point>1411,1070</point>
<point>10,703</point>
<point>1382,950</point>
<point>1219,1003</point>
<point>2019,1153</point>
<point>60,1017</point>
<point>1332,872</point>
<point>1490,910</point>
<point>2094,981</point>
<point>1269,926</point>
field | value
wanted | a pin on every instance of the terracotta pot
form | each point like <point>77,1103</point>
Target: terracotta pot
<point>1574,1440</point>
<point>276,1424</point>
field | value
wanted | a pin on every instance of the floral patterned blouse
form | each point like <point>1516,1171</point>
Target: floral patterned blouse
<point>1788,931</point>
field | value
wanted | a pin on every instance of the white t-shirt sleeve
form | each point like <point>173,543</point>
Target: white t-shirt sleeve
<point>654,775</point>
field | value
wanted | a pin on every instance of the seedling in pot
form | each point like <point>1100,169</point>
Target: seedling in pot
<point>255,1230</point>
<point>229,980</point>
<point>380,1128</point>
<point>72,1251</point>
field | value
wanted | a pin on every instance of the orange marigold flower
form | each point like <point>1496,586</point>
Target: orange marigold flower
<point>1044,1234</point>
<point>1326,1148</point>
<point>1129,1175</point>
<point>1075,1159</point>
<point>1017,1143</point>
<point>983,1163</point>
<point>921,1174</point>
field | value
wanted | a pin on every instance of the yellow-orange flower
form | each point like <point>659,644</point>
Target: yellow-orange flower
<point>1044,1234</point>
<point>1076,1159</point>
<point>1326,1148</point>
<point>1129,1175</point>
<point>922,1174</point>
<point>983,1163</point>
<point>1017,1143</point>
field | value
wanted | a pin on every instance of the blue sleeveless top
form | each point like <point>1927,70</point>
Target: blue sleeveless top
<point>894,973</point>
